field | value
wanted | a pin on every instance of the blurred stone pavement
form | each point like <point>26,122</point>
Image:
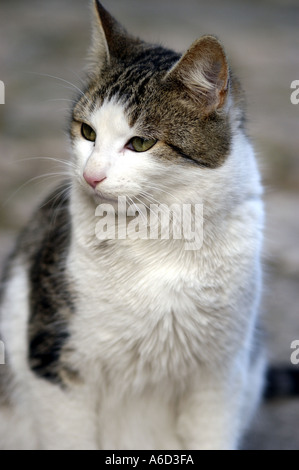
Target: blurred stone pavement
<point>39,38</point>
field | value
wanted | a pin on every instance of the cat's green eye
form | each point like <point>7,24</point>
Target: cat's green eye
<point>138,144</point>
<point>88,133</point>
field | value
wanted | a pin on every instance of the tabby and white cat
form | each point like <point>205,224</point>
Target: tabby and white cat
<point>140,344</point>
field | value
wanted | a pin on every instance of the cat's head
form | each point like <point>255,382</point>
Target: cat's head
<point>151,122</point>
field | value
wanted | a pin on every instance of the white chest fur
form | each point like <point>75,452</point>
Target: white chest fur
<point>151,306</point>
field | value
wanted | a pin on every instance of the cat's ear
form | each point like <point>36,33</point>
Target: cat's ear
<point>204,72</point>
<point>108,36</point>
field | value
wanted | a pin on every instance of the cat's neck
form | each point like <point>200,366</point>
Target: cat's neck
<point>86,240</point>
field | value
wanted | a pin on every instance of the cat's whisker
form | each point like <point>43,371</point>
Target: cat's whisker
<point>65,87</point>
<point>77,76</point>
<point>138,210</point>
<point>155,202</point>
<point>32,180</point>
<point>60,79</point>
<point>63,195</point>
<point>157,188</point>
<point>58,194</point>
<point>149,196</point>
<point>65,110</point>
<point>67,163</point>
<point>145,205</point>
<point>164,211</point>
<point>151,199</point>
<point>60,99</point>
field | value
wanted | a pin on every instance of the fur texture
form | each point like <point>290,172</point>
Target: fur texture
<point>140,344</point>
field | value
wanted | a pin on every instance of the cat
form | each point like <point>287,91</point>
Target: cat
<point>124,343</point>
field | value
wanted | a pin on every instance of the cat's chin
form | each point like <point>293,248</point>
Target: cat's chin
<point>101,198</point>
<point>98,197</point>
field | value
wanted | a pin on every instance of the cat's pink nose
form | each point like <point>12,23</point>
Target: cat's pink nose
<point>93,180</point>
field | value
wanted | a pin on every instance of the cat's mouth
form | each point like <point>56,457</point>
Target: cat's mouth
<point>119,202</point>
<point>99,196</point>
<point>103,196</point>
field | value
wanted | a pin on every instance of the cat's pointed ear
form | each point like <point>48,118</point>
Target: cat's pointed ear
<point>108,36</point>
<point>204,72</point>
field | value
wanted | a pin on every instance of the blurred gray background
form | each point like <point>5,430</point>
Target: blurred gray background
<point>41,37</point>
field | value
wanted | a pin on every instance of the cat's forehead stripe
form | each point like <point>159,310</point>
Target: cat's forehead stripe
<point>131,86</point>
<point>111,119</point>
